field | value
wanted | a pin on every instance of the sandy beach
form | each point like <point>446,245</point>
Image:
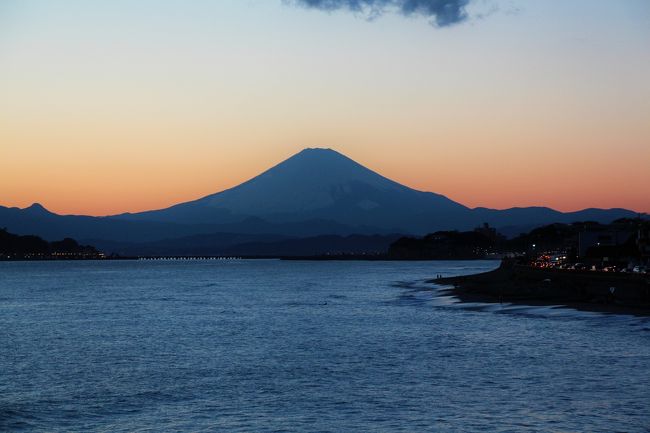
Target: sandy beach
<point>586,291</point>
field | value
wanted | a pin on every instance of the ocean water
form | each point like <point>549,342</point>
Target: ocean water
<point>291,346</point>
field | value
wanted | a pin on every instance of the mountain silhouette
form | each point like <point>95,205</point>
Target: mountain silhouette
<point>315,192</point>
<point>319,184</point>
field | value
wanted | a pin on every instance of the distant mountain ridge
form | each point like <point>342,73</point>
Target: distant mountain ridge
<point>313,193</point>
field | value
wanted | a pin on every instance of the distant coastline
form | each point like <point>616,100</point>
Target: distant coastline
<point>15,247</point>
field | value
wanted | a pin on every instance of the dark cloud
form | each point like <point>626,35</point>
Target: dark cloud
<point>440,12</point>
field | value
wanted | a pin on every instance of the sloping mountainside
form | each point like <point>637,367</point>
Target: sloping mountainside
<point>319,184</point>
<point>315,192</point>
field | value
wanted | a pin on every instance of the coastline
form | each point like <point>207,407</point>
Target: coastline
<point>584,291</point>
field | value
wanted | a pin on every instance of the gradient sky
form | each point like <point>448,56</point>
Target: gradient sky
<point>115,106</point>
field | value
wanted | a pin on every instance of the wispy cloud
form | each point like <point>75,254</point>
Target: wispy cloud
<point>441,12</point>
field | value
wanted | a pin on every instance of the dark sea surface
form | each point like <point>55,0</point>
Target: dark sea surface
<point>247,346</point>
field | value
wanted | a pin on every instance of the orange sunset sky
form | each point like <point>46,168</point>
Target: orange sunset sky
<point>127,106</point>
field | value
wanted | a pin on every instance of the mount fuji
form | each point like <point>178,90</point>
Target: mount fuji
<point>313,193</point>
<point>322,185</point>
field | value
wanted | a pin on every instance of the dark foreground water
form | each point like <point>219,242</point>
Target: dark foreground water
<point>303,346</point>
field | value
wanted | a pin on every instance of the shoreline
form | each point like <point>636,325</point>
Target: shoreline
<point>520,285</point>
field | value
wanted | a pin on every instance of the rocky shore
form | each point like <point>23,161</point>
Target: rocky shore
<point>584,290</point>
